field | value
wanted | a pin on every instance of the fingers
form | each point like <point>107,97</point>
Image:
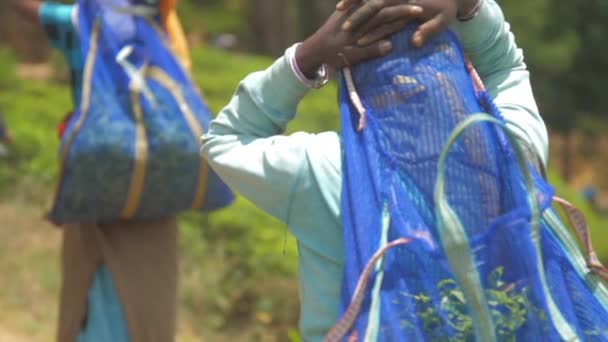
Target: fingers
<point>362,14</point>
<point>429,29</point>
<point>387,17</point>
<point>355,54</point>
<point>346,4</point>
<point>382,32</point>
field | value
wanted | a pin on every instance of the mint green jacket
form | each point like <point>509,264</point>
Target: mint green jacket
<point>297,178</point>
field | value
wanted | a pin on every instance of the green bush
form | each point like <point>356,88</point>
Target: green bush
<point>32,110</point>
<point>214,17</point>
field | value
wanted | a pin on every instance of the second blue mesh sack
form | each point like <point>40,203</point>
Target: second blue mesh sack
<point>132,149</point>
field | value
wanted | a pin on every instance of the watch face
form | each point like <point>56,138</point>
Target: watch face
<point>322,77</point>
<point>321,72</point>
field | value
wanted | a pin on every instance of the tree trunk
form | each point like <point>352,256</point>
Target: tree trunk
<point>312,14</point>
<point>274,25</point>
<point>307,18</point>
<point>27,39</point>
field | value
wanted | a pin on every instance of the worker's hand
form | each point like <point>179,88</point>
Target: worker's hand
<point>384,17</point>
<point>336,47</point>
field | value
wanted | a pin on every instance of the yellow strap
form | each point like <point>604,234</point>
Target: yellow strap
<point>581,229</point>
<point>171,24</point>
<point>165,7</point>
<point>179,43</point>
<point>166,81</point>
<point>141,158</point>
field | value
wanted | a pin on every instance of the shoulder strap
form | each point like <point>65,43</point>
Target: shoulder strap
<point>455,241</point>
<point>338,331</point>
<point>581,229</point>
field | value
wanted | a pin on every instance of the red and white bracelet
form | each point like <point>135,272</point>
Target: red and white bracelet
<point>322,74</point>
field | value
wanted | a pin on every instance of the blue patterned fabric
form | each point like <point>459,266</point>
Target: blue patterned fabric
<point>480,266</point>
<point>103,149</point>
<point>105,318</point>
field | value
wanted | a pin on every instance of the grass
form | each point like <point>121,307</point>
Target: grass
<point>29,264</point>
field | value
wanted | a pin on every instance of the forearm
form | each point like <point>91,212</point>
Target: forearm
<point>244,145</point>
<point>263,104</point>
<point>490,45</point>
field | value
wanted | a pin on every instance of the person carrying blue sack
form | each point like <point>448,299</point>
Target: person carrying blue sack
<point>119,271</point>
<point>298,178</point>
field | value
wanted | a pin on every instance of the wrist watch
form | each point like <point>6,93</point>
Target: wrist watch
<point>472,13</point>
<point>322,75</point>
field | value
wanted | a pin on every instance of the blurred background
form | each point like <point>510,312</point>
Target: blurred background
<point>238,266</point>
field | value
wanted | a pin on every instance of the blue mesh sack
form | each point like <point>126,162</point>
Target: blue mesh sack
<point>449,233</point>
<point>132,149</point>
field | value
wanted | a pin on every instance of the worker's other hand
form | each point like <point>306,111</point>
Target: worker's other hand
<point>336,47</point>
<point>381,18</point>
